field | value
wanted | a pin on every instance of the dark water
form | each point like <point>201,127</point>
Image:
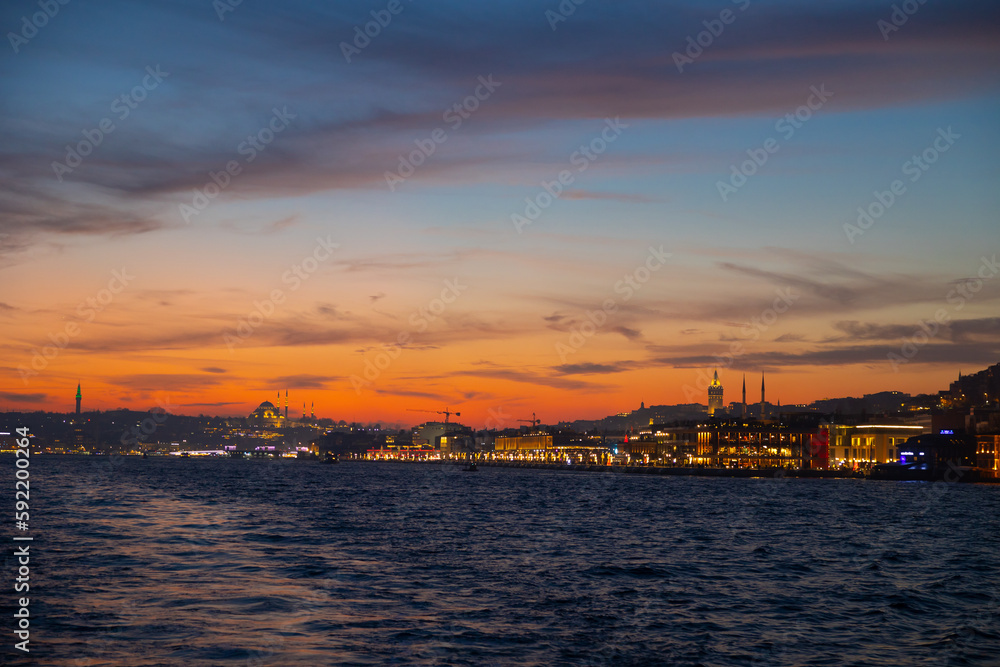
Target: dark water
<point>221,562</point>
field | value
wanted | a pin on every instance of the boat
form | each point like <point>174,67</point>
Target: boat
<point>472,467</point>
<point>924,472</point>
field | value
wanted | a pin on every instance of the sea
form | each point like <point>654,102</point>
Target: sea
<point>172,561</point>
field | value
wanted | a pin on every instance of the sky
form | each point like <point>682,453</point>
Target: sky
<point>497,208</point>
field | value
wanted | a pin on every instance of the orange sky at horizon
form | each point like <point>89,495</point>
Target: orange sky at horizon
<point>601,229</point>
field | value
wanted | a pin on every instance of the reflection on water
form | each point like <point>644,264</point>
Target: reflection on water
<point>231,562</point>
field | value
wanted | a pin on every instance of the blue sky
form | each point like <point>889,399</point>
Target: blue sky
<point>656,184</point>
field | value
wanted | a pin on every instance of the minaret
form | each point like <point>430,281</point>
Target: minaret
<point>744,396</point>
<point>303,410</point>
<point>763,412</point>
<point>313,411</point>
<point>286,405</point>
<point>79,397</point>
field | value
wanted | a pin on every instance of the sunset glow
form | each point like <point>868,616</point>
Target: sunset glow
<point>522,216</point>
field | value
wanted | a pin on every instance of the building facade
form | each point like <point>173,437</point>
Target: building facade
<point>865,445</point>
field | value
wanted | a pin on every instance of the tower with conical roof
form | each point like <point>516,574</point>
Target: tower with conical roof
<point>79,397</point>
<point>715,395</point>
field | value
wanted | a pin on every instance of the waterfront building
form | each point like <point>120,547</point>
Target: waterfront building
<point>552,447</point>
<point>430,433</point>
<point>864,445</point>
<point>731,444</point>
<point>988,453</point>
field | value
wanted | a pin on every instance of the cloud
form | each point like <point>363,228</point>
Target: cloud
<point>609,196</point>
<point>178,382</point>
<point>214,369</point>
<point>217,404</point>
<point>629,333</point>
<point>594,369</point>
<point>492,371</point>
<point>304,381</point>
<point>411,393</point>
<point>15,397</point>
<point>368,113</point>
<point>957,331</point>
<point>868,355</point>
<point>273,227</point>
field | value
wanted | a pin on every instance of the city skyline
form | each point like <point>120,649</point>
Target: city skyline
<point>584,212</point>
<point>278,410</point>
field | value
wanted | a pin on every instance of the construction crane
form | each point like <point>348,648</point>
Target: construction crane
<point>534,422</point>
<point>446,412</point>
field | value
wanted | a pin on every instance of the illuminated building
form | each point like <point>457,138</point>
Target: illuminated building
<point>267,415</point>
<point>430,433</point>
<point>734,445</point>
<point>552,448</point>
<point>864,445</point>
<point>715,395</point>
<point>988,453</point>
<point>536,441</point>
